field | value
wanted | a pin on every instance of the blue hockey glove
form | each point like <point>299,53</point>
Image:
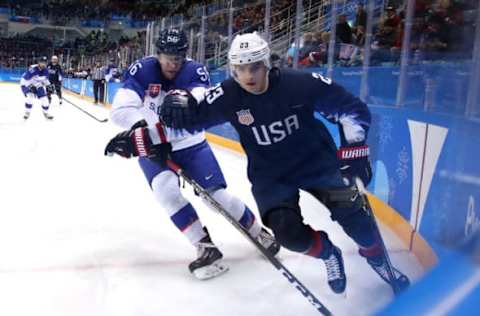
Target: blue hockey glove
<point>354,162</point>
<point>178,109</point>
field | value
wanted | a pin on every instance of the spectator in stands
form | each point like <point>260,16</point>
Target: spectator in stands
<point>392,20</point>
<point>317,53</point>
<point>307,47</point>
<point>98,77</point>
<point>360,18</point>
<point>343,31</point>
<point>359,36</point>
<point>384,40</point>
<point>460,29</point>
<point>435,38</point>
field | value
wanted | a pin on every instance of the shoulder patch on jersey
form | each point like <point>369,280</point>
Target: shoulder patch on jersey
<point>245,117</point>
<point>154,89</point>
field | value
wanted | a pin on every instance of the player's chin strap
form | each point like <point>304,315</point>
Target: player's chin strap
<point>273,260</point>
<point>368,209</point>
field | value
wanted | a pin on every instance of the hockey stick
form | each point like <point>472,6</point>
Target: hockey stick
<point>274,261</point>
<point>89,114</point>
<point>368,209</point>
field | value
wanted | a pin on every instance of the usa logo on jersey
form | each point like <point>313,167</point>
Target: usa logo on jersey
<point>154,89</point>
<point>245,117</point>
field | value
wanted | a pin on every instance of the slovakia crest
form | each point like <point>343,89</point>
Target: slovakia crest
<point>154,90</point>
<point>245,117</point>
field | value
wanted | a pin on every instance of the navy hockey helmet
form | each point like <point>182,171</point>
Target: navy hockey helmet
<point>42,60</point>
<point>172,42</point>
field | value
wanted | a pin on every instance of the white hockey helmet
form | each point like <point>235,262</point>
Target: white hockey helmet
<point>248,48</point>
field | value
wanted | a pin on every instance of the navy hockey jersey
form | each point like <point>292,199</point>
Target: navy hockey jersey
<point>278,130</point>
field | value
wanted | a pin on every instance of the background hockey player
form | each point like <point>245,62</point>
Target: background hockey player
<point>55,76</point>
<point>135,108</point>
<point>33,84</point>
<point>289,149</point>
<point>112,73</point>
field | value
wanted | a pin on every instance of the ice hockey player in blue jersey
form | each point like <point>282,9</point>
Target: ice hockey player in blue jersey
<point>112,74</point>
<point>33,84</point>
<point>135,108</point>
<point>288,150</point>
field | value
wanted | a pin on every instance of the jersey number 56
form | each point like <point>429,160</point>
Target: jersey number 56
<point>134,68</point>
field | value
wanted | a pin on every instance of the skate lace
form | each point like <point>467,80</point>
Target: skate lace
<point>265,239</point>
<point>333,268</point>
<point>381,269</point>
<point>203,247</point>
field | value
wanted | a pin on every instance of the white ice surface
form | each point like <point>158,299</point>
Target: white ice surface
<point>81,234</point>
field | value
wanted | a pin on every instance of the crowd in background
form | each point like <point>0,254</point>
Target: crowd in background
<point>99,42</point>
<point>18,50</point>
<point>441,29</point>
<point>60,12</point>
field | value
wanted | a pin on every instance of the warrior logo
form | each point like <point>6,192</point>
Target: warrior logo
<point>154,90</point>
<point>245,117</point>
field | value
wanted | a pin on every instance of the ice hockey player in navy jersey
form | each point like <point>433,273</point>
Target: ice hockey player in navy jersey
<point>135,108</point>
<point>288,150</point>
<point>55,76</point>
<point>33,84</point>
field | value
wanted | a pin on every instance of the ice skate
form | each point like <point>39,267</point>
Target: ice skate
<point>26,115</point>
<point>379,265</point>
<point>208,264</point>
<point>268,242</point>
<point>48,116</point>
<point>336,271</point>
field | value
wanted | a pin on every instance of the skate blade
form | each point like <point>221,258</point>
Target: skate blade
<point>211,271</point>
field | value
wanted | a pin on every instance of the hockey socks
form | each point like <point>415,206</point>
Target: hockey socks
<point>331,255</point>
<point>187,221</point>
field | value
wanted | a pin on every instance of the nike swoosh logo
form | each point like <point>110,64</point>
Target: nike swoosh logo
<point>209,177</point>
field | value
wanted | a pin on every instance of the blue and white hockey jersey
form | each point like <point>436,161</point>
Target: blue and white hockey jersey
<point>142,94</point>
<point>35,76</point>
<point>111,73</point>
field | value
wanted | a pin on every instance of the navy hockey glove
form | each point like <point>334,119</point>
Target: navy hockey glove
<point>178,109</point>
<point>354,162</point>
<point>50,89</point>
<point>32,89</point>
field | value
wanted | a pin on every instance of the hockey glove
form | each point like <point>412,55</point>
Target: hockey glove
<point>136,142</point>
<point>32,89</point>
<point>178,109</point>
<point>50,89</point>
<point>354,162</point>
